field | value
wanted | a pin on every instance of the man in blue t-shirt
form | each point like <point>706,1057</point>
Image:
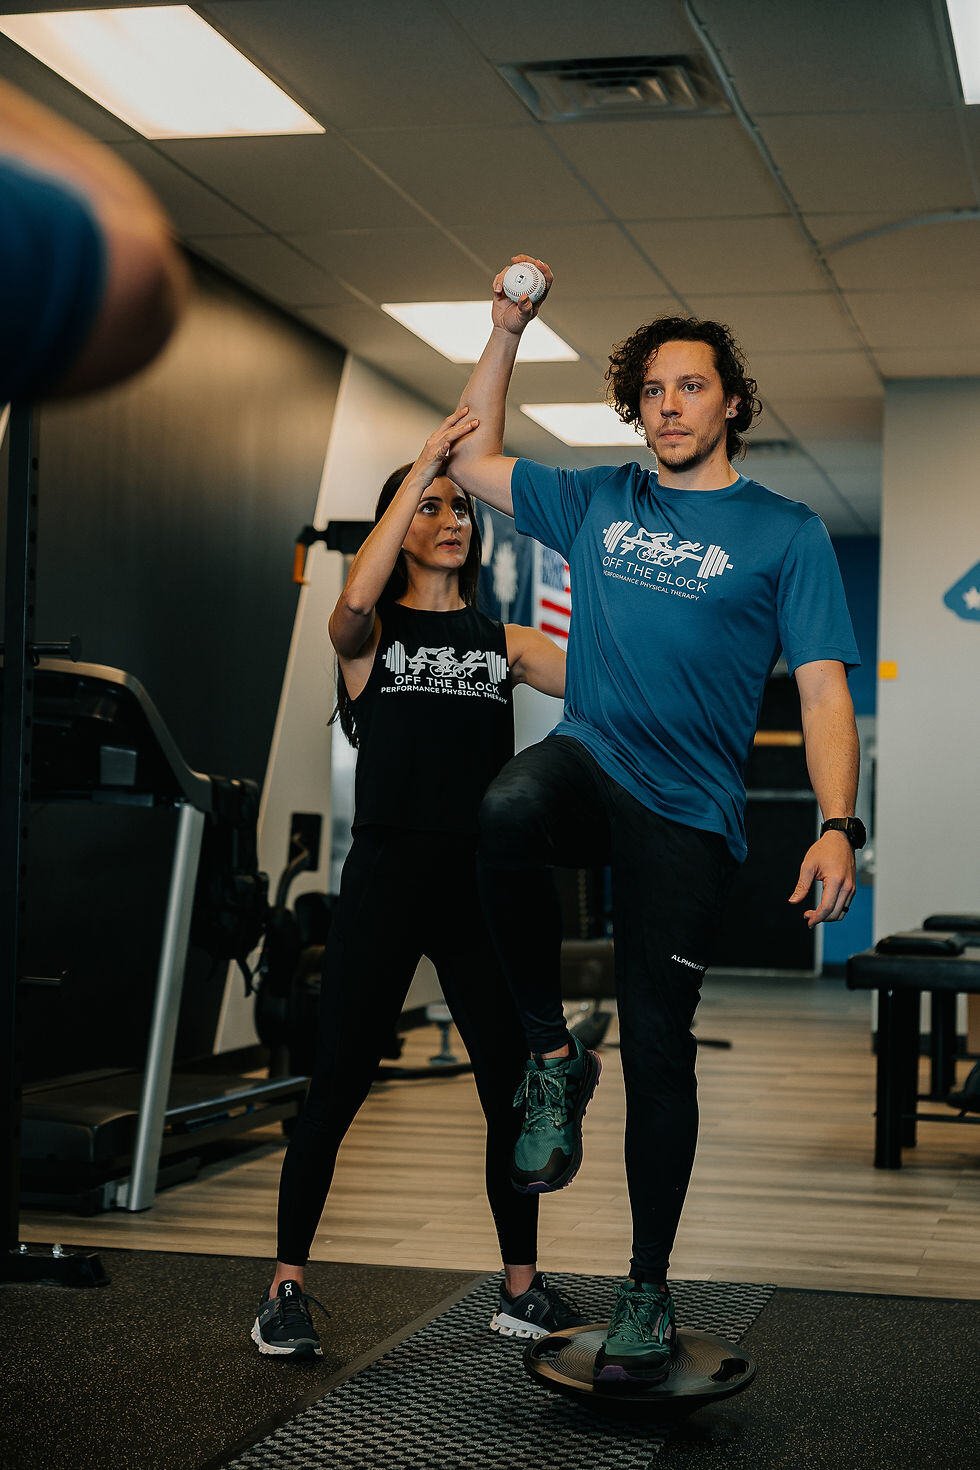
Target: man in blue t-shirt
<point>91,281</point>
<point>686,585</point>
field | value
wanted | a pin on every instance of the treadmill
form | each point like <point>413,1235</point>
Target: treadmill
<point>110,1138</point>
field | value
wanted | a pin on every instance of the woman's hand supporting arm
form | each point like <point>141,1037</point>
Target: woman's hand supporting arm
<point>352,620</point>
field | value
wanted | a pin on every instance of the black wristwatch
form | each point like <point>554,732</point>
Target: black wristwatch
<point>852,827</point>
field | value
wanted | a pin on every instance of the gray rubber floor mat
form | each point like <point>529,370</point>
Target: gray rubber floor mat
<point>453,1395</point>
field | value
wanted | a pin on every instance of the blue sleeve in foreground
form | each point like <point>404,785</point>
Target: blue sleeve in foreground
<point>53,264</point>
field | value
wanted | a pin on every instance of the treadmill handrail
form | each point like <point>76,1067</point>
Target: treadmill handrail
<point>196,786</point>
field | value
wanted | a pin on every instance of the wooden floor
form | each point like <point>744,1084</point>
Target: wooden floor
<point>783,1189</point>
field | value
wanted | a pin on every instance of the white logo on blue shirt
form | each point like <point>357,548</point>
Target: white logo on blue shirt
<point>657,547</point>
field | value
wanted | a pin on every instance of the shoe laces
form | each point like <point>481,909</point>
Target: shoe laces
<point>638,1317</point>
<point>293,1310</point>
<point>544,1094</point>
<point>562,1305</point>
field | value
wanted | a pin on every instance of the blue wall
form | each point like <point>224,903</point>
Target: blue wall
<point>858,559</point>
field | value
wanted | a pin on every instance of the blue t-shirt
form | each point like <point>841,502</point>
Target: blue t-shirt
<point>681,601</point>
<point>52,278</point>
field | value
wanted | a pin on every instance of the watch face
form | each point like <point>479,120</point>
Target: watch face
<point>852,827</point>
<point>856,832</point>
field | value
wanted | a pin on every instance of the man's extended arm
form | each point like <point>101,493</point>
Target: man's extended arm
<point>478,463</point>
<point>833,759</point>
<point>146,278</point>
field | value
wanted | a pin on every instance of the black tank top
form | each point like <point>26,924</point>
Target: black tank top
<point>435,721</point>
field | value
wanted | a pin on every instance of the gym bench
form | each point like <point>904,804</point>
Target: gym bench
<point>900,969</point>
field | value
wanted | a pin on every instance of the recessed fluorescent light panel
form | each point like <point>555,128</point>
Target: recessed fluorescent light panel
<point>459,330</point>
<point>162,69</point>
<point>583,424</point>
<point>964,22</point>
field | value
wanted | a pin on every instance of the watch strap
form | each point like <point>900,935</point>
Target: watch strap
<point>852,828</point>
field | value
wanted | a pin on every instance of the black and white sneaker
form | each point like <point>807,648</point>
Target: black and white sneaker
<point>284,1326</point>
<point>536,1312</point>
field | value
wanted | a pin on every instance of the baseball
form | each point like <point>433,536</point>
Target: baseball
<point>524,280</point>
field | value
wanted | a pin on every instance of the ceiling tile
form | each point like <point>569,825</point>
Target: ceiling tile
<point>861,487</point>
<point>893,161</point>
<point>953,362</point>
<point>671,168</point>
<point>397,265</point>
<point>734,255</point>
<point>293,184</point>
<point>794,322</point>
<point>587,259</point>
<point>477,176</point>
<point>592,327</point>
<point>775,467</point>
<point>796,373</point>
<point>828,229</point>
<point>192,206</point>
<point>385,64</point>
<point>378,339</point>
<point>416,90</point>
<point>271,267</point>
<point>514,31</point>
<point>828,417</point>
<point>917,320</point>
<point>857,55</point>
<point>567,382</point>
<point>839,455</point>
<point>913,260</point>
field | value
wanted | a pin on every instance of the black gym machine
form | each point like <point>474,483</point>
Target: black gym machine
<point>17,1262</point>
<point>79,734</point>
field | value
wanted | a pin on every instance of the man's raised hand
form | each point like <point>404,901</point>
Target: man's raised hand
<point>514,316</point>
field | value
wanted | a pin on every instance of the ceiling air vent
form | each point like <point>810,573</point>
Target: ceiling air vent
<point>624,86</point>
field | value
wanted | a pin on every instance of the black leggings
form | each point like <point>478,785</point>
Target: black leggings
<point>553,806</point>
<point>402,895</point>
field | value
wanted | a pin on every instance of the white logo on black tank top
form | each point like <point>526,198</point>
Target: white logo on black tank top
<point>476,674</point>
<point>651,559</point>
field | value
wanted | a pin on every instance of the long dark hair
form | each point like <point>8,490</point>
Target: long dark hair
<point>628,361</point>
<point>397,585</point>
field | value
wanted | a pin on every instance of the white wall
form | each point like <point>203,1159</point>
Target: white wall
<point>928,777</point>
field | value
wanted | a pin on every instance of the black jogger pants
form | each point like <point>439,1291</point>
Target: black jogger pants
<point>402,895</point>
<point>554,806</point>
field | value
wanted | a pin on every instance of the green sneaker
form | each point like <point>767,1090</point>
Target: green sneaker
<point>555,1095</point>
<point>640,1344</point>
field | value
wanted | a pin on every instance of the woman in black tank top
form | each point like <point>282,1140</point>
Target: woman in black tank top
<point>425,693</point>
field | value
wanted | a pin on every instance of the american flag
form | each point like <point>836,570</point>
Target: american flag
<point>552,594</point>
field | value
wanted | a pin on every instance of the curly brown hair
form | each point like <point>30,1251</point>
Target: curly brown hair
<point>628,365</point>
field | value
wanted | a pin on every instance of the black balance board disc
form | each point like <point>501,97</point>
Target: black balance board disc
<point>705,1370</point>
